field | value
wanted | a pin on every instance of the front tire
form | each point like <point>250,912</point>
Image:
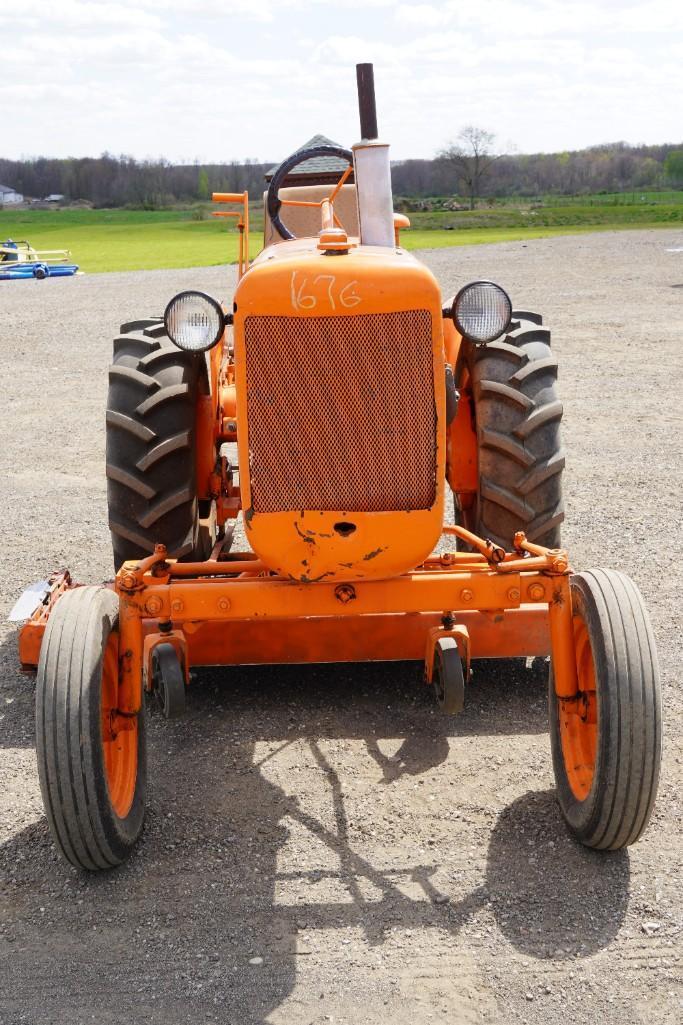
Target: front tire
<point>606,744</point>
<point>93,777</point>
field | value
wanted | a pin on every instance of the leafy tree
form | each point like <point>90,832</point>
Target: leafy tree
<point>471,159</point>
<point>673,166</point>
<point>203,185</point>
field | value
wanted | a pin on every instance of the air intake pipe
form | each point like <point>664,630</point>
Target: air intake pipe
<point>371,169</point>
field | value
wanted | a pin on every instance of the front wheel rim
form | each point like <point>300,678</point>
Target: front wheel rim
<point>119,745</point>
<point>578,718</point>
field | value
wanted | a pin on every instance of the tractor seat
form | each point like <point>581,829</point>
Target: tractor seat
<point>304,221</point>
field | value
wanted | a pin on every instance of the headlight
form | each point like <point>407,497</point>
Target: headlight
<point>482,311</point>
<point>194,321</point>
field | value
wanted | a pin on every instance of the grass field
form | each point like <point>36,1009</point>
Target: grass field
<point>117,240</point>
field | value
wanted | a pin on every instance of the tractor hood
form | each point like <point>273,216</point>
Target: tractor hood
<point>341,410</point>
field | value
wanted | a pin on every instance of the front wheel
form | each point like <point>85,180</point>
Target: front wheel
<point>606,741</point>
<point>91,761</point>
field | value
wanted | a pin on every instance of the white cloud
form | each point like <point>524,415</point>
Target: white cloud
<point>421,15</point>
<point>225,78</point>
<point>74,15</point>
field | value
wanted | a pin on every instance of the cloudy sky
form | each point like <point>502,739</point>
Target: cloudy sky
<point>218,80</point>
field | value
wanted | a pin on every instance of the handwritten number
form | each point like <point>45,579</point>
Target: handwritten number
<point>350,299</point>
<point>303,301</point>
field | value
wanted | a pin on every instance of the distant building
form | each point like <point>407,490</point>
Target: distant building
<point>54,197</point>
<point>9,197</point>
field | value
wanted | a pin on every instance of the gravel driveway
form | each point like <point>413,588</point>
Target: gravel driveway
<point>321,845</point>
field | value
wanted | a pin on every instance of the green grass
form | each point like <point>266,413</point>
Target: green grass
<point>115,240</point>
<point>118,240</point>
<point>526,216</point>
<point>673,197</point>
<point>436,239</point>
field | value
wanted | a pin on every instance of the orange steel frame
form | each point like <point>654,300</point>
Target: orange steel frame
<point>242,223</point>
<point>233,610</point>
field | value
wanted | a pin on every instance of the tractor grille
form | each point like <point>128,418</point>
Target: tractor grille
<point>341,412</point>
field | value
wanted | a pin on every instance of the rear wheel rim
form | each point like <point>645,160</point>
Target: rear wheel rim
<point>578,718</point>
<point>119,746</point>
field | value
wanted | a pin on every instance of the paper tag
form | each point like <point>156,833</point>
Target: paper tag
<point>29,601</point>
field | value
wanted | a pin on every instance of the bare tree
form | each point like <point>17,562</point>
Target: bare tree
<point>471,158</point>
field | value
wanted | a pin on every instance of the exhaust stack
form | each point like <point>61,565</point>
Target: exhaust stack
<point>372,169</point>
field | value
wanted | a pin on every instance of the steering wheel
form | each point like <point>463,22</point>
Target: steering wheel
<point>273,201</point>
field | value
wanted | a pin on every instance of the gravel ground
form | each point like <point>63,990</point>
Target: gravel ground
<point>321,845</point>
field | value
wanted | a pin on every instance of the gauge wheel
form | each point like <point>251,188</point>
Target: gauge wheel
<point>607,740</point>
<point>91,758</point>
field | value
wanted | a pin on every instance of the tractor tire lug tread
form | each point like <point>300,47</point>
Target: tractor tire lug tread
<point>162,397</point>
<point>160,357</point>
<point>497,388</point>
<point>139,325</point>
<point>502,348</point>
<point>119,371</point>
<point>134,345</point>
<point>129,481</point>
<point>518,415</point>
<point>542,471</point>
<point>534,368</point>
<point>535,318</point>
<point>540,416</point>
<point>151,485</point>
<point>506,500</point>
<point>172,444</point>
<point>127,423</point>
<point>155,330</point>
<point>166,505</point>
<point>506,445</point>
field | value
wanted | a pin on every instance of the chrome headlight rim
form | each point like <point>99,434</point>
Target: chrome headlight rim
<point>462,328</point>
<point>213,303</point>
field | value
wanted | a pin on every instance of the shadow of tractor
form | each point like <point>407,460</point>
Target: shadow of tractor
<point>196,921</point>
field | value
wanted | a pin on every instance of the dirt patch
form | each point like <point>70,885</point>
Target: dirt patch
<point>321,845</point>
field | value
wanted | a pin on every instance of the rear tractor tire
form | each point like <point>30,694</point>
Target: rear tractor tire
<point>512,384</point>
<point>151,446</point>
<point>606,743</point>
<point>91,761</point>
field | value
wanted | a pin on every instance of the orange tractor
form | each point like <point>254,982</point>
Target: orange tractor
<point>355,399</point>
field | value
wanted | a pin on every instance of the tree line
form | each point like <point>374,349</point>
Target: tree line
<point>116,181</point>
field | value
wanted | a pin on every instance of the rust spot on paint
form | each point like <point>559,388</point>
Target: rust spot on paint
<point>303,579</point>
<point>374,554</point>
<point>304,537</point>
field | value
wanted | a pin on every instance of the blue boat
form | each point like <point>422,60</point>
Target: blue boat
<point>19,260</point>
